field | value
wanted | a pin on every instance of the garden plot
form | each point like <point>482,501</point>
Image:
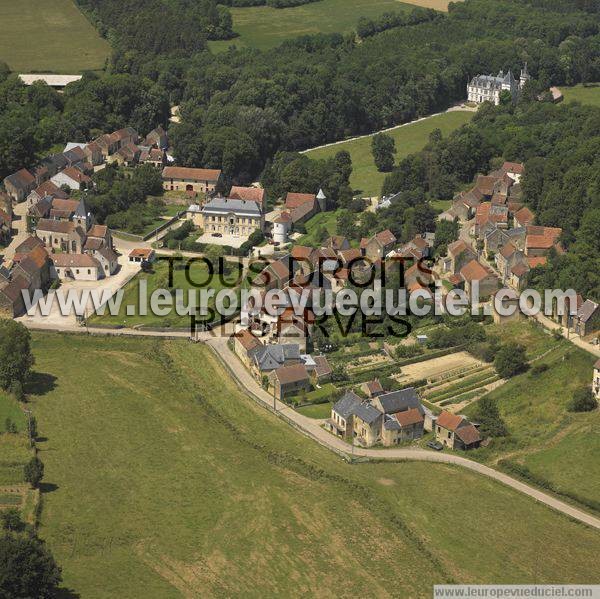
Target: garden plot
<point>435,367</point>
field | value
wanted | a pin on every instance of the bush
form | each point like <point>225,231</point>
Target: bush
<point>538,369</point>
<point>510,360</point>
<point>488,415</point>
<point>34,471</point>
<point>582,400</point>
<point>408,351</point>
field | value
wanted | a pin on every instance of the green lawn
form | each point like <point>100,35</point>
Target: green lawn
<point>49,36</point>
<point>409,139</point>
<point>158,280</point>
<point>14,453</point>
<point>557,445</point>
<point>586,94</point>
<point>164,481</point>
<point>265,27</point>
<point>9,408</point>
<point>319,411</point>
<point>323,219</point>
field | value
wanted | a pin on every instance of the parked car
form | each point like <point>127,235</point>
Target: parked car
<point>435,445</point>
<point>217,235</point>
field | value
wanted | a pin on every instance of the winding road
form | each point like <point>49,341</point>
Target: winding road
<point>312,428</point>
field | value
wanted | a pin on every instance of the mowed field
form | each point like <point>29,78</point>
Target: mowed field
<point>163,480</point>
<point>409,138</point>
<point>49,36</point>
<point>586,94</point>
<point>264,27</point>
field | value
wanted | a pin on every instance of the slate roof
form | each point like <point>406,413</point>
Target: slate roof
<point>398,401</point>
<point>225,205</point>
<point>346,404</point>
<point>587,310</point>
<point>270,357</point>
<point>366,412</point>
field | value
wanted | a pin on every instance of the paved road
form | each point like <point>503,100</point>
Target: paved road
<point>312,428</point>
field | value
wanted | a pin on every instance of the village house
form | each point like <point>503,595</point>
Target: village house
<point>322,371</point>
<point>287,381</point>
<point>19,184</point>
<point>379,245</point>
<point>265,358</point>
<point>523,217</point>
<point>367,422</point>
<point>587,320</point>
<point>77,267</point>
<point>193,180</point>
<point>244,341</point>
<point>402,426</point>
<point>157,138</point>
<point>540,240</point>
<point>515,170</point>
<point>596,380</point>
<point>476,274</point>
<point>459,254</point>
<point>341,422</point>
<point>456,432</point>
<point>127,155</point>
<point>72,177</point>
<point>508,257</point>
<point>153,156</point>
<point>301,206</point>
<point>372,388</point>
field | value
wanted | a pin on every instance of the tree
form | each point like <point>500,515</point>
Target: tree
<point>11,520</point>
<point>27,568</point>
<point>505,97</point>
<point>16,358</point>
<point>488,415</point>
<point>510,360</point>
<point>582,400</point>
<point>16,390</point>
<point>33,471</point>
<point>383,148</point>
<point>346,224</point>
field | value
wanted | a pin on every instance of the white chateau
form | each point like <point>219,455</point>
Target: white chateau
<point>487,88</point>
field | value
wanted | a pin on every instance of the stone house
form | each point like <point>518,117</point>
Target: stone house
<point>456,432</point>
<point>193,180</point>
<point>366,423</point>
<point>287,381</point>
<point>379,245</point>
<point>20,184</point>
<point>596,380</point>
<point>226,216</point>
<point>341,422</point>
<point>77,267</point>
<point>476,274</point>
<point>587,319</point>
<point>459,254</point>
<point>243,343</point>
<point>402,426</point>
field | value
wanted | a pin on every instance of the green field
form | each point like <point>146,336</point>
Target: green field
<point>162,480</point>
<point>409,138</point>
<point>198,274</point>
<point>265,27</point>
<point>556,445</point>
<point>49,36</point>
<point>586,94</point>
<point>328,220</point>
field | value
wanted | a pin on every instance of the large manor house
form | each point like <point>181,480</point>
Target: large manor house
<point>488,88</point>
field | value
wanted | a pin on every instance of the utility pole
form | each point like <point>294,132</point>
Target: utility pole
<point>28,412</point>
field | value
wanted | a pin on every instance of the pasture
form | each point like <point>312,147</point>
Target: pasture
<point>163,480</point>
<point>409,138</point>
<point>264,27</point>
<point>49,36</point>
<point>586,94</point>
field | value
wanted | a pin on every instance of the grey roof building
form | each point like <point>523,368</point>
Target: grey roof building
<point>345,406</point>
<point>270,357</point>
<point>398,401</point>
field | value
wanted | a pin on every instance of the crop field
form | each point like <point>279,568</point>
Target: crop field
<point>586,94</point>
<point>410,138</point>
<point>49,36</point>
<point>163,480</point>
<point>264,27</point>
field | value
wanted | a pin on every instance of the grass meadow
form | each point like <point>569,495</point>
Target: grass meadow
<point>558,446</point>
<point>264,27</point>
<point>49,36</point>
<point>158,279</point>
<point>409,139</point>
<point>586,94</point>
<point>163,480</point>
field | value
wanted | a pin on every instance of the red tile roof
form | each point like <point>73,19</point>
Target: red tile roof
<point>525,216</point>
<point>293,200</point>
<point>513,167</point>
<point>449,421</point>
<point>474,271</point>
<point>291,374</point>
<point>408,417</point>
<point>535,261</point>
<point>192,174</point>
<point>255,194</point>
<point>247,339</point>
